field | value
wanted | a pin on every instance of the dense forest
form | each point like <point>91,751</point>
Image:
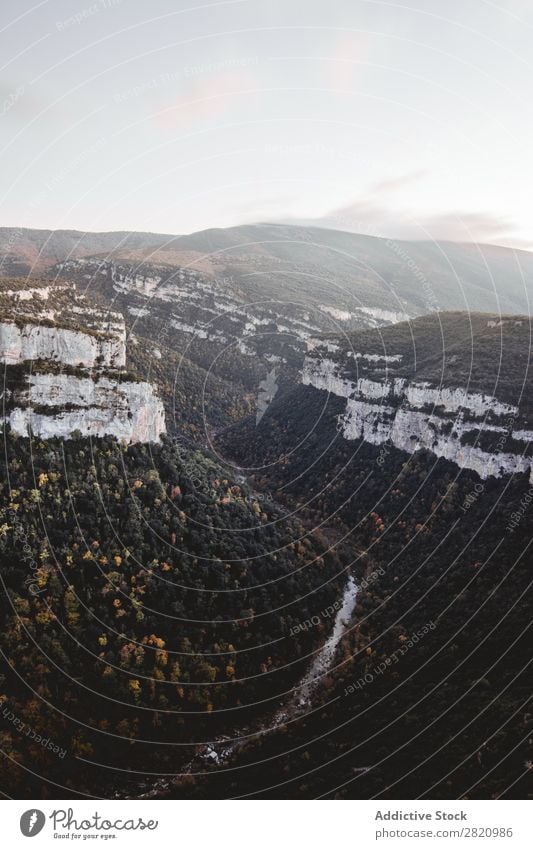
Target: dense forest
<point>433,695</point>
<point>147,604</point>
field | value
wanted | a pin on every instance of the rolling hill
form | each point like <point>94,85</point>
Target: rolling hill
<point>342,269</point>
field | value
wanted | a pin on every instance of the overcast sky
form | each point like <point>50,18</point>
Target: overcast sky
<point>407,120</point>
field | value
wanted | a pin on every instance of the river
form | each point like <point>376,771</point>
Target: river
<point>222,750</point>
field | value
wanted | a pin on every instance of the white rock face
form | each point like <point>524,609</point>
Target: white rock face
<point>70,347</point>
<point>322,344</point>
<point>412,416</point>
<point>455,399</point>
<point>42,292</point>
<point>389,316</point>
<point>327,374</point>
<point>127,410</point>
<point>410,431</point>
<point>96,400</point>
<point>376,358</point>
<point>340,315</point>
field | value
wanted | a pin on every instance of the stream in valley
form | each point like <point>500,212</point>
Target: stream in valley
<point>298,702</point>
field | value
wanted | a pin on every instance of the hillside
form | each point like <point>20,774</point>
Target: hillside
<point>480,352</point>
<point>430,695</point>
<point>349,270</point>
<point>322,266</point>
<point>25,251</point>
<point>212,313</point>
<point>457,385</point>
<point>152,603</point>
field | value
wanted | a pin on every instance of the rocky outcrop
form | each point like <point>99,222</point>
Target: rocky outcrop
<point>411,415</point>
<point>57,323</point>
<point>72,376</point>
<point>59,344</point>
<point>58,405</point>
<point>199,313</point>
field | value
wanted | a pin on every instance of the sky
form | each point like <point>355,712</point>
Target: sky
<point>408,120</point>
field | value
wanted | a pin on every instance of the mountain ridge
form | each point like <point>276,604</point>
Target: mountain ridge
<point>370,269</point>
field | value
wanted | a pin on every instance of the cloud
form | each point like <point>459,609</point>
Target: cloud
<point>396,183</point>
<point>366,216</point>
<point>468,226</point>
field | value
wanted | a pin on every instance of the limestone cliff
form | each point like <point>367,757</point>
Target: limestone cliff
<point>64,365</point>
<point>386,403</point>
